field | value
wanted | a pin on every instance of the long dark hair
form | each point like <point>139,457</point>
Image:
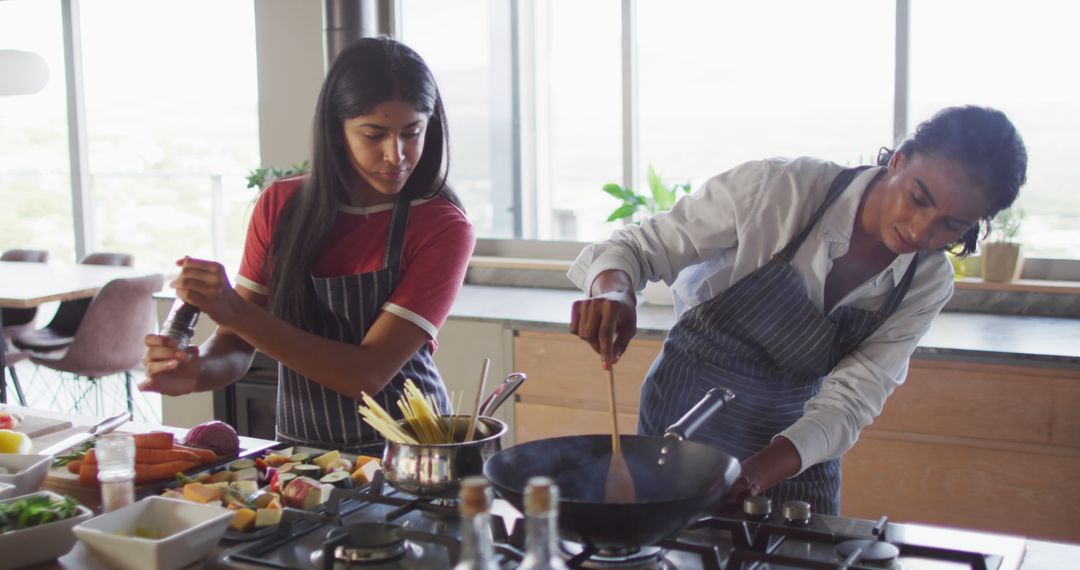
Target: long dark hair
<point>987,143</point>
<point>367,73</point>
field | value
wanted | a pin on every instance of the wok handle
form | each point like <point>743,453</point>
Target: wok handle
<point>713,402</point>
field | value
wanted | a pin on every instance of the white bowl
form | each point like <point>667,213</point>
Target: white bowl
<point>26,472</point>
<point>189,532</point>
<point>39,543</point>
<point>6,490</point>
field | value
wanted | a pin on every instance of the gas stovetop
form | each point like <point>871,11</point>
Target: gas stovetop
<point>378,528</point>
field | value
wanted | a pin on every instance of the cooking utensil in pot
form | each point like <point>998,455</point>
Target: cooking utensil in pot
<point>619,487</point>
<point>501,393</point>
<point>479,396</point>
<point>435,471</point>
<point>693,478</point>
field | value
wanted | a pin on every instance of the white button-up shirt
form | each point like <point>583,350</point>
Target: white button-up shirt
<point>733,225</point>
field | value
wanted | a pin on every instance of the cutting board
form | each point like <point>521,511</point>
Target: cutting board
<point>35,426</point>
<point>59,480</point>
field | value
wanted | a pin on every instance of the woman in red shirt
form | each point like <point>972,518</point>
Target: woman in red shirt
<point>347,272</point>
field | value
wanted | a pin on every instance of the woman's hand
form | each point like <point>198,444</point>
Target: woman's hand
<point>169,371</point>
<point>608,319</point>
<point>204,284</point>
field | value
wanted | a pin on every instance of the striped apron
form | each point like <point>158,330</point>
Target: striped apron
<point>766,340</point>
<point>309,413</point>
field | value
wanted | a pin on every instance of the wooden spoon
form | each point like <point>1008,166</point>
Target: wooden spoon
<point>619,487</point>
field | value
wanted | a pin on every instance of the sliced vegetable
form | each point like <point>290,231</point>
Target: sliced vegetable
<point>241,464</point>
<point>340,479</point>
<point>243,520</point>
<point>306,470</point>
<point>324,460</point>
<point>216,436</point>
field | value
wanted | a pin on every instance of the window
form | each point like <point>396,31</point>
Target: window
<point>171,130</point>
<point>719,83</point>
<point>1015,59</point>
<point>171,104</point>
<point>35,188</point>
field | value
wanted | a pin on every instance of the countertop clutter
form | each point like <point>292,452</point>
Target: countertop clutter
<point>427,531</point>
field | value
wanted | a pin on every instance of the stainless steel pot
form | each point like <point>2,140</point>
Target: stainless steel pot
<point>436,471</point>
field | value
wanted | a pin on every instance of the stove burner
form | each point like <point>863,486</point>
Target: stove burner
<point>644,558</point>
<point>875,553</point>
<point>445,510</point>
<point>365,543</point>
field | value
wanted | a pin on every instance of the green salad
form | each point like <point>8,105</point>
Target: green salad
<point>35,510</point>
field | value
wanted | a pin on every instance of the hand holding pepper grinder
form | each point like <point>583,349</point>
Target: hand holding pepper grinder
<point>180,324</point>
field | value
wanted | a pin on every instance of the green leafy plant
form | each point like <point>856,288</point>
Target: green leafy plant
<point>1006,225</point>
<point>662,197</point>
<point>260,178</point>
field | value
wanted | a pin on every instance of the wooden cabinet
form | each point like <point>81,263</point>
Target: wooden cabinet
<point>989,447</point>
<point>960,444</point>
<point>566,393</point>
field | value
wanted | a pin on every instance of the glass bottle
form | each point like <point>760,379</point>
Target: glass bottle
<point>541,526</point>
<point>180,324</point>
<point>477,548</point>
<point>116,470</point>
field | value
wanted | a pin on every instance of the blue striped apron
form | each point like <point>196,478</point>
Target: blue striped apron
<point>309,413</point>
<point>766,340</point>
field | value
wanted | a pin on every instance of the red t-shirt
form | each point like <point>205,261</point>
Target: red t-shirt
<point>438,243</point>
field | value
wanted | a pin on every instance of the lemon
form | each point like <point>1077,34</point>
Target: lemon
<point>14,442</point>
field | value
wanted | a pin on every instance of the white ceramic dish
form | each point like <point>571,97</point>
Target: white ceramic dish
<point>6,490</point>
<point>189,532</point>
<point>39,543</point>
<point>26,472</point>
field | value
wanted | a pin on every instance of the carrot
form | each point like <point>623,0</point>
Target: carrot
<point>205,455</point>
<point>154,440</point>
<point>147,472</point>
<point>73,467</point>
<point>150,456</point>
<point>88,474</point>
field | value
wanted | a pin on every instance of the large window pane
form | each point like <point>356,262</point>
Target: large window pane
<point>171,103</point>
<point>577,91</point>
<point>466,44</point>
<point>1017,57</point>
<point>725,82</point>
<point>35,190</point>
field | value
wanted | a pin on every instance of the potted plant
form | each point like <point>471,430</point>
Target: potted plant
<point>260,178</point>
<point>635,206</point>
<point>1002,259</point>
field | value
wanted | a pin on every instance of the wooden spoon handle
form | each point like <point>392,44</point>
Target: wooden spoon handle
<point>616,446</point>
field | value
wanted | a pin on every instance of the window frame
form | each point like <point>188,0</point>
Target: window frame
<point>522,172</point>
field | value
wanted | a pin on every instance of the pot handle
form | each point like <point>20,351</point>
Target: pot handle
<point>502,392</point>
<point>713,402</point>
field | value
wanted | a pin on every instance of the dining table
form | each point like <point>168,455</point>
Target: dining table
<point>28,285</point>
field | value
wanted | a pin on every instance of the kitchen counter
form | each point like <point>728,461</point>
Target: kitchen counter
<point>1040,555</point>
<point>80,557</point>
<point>992,339</point>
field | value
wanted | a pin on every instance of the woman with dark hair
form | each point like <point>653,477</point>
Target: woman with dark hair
<point>348,272</point>
<point>804,287</point>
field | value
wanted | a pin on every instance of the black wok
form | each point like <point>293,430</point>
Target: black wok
<point>690,479</point>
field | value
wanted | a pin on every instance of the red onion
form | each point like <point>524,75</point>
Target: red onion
<point>216,436</point>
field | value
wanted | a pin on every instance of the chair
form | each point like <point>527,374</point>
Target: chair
<point>60,331</point>
<point>10,360</point>
<point>109,339</point>
<point>20,320</point>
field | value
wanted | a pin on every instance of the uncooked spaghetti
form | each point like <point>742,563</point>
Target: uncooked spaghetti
<point>421,414</point>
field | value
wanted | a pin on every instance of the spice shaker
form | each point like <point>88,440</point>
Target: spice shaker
<point>115,455</point>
